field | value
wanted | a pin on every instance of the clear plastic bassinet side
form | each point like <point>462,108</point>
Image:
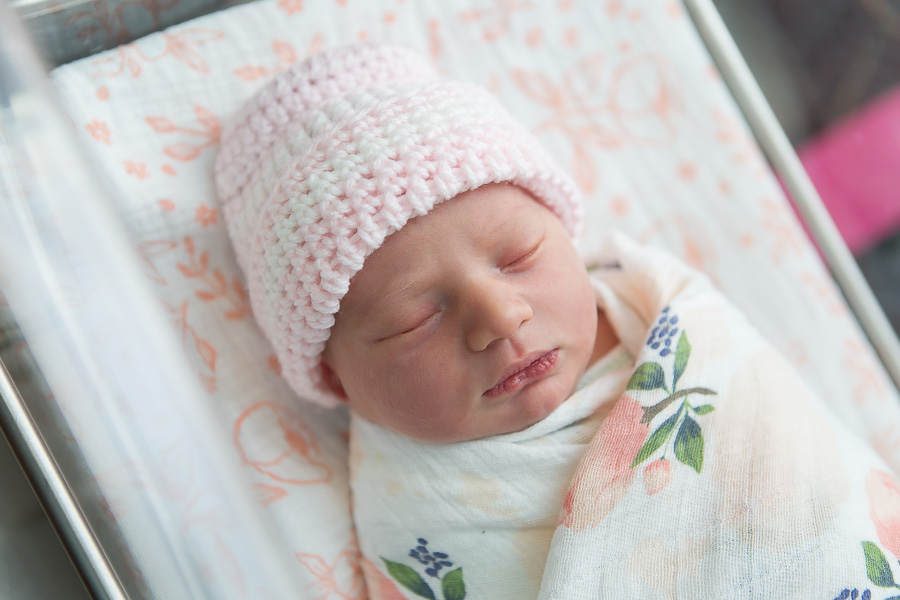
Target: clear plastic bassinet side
<point>70,280</point>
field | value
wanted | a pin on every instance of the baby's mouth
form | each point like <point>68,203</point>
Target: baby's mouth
<point>531,368</point>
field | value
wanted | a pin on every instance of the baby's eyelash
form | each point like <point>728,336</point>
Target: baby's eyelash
<point>416,326</point>
<point>526,256</point>
<point>410,329</point>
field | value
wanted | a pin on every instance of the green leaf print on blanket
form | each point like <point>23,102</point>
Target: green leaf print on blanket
<point>650,376</point>
<point>408,578</point>
<point>452,585</point>
<point>878,568</point>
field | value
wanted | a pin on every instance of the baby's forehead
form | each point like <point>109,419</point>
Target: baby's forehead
<point>455,229</point>
<point>482,216</point>
<point>489,209</point>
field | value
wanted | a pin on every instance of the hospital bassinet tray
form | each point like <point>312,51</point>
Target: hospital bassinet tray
<point>66,30</point>
<point>136,387</point>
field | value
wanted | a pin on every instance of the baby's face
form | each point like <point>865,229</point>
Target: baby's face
<point>477,319</point>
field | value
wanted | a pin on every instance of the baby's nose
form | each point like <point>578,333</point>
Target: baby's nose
<point>496,311</point>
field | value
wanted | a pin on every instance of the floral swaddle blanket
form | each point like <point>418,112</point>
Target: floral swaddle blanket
<point>704,468</point>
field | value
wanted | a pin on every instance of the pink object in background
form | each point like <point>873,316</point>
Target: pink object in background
<point>855,166</point>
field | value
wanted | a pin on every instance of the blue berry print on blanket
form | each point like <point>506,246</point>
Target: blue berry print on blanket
<point>452,585</point>
<point>848,594</point>
<point>650,376</point>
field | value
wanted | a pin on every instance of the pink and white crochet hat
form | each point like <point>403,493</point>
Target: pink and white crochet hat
<point>339,152</point>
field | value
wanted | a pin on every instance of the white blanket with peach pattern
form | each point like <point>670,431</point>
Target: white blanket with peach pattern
<point>705,468</point>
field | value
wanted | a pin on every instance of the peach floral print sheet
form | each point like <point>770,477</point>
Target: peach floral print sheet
<point>623,93</point>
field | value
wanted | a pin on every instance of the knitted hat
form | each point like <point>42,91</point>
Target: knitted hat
<point>339,152</point>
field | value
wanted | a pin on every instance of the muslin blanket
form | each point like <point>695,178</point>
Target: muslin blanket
<point>692,463</point>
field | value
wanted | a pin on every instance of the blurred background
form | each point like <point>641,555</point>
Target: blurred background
<point>829,68</point>
<point>831,71</point>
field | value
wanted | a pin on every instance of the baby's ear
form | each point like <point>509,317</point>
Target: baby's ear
<point>333,381</point>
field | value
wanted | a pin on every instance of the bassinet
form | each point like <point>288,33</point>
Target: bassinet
<point>145,401</point>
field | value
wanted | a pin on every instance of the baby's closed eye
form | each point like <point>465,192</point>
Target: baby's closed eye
<point>522,258</point>
<point>409,326</point>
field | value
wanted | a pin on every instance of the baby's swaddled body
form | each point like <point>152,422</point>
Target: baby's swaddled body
<point>491,505</point>
<point>692,462</point>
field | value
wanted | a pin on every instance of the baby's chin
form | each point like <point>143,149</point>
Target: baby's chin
<point>533,404</point>
<point>520,411</point>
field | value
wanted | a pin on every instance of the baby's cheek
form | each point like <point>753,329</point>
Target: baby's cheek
<point>426,392</point>
<point>576,294</point>
<point>368,386</point>
<point>408,386</point>
<point>432,395</point>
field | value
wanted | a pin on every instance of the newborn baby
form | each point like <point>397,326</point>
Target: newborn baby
<point>408,250</point>
<point>519,428</point>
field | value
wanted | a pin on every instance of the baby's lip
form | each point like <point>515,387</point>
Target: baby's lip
<point>519,374</point>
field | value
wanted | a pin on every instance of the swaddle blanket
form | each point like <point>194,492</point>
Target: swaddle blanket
<point>485,508</point>
<point>707,470</point>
